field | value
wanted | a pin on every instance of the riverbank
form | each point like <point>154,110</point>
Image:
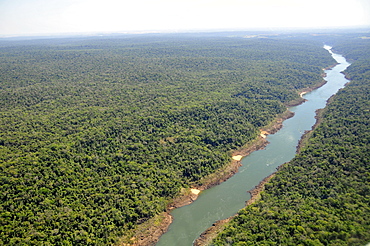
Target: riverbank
<point>329,147</point>
<point>301,100</point>
<point>150,232</point>
<point>207,236</point>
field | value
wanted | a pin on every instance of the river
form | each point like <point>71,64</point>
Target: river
<point>226,199</point>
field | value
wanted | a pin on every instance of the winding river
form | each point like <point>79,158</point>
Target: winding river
<point>224,200</point>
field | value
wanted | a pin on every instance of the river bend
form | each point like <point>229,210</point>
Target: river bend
<point>226,199</point>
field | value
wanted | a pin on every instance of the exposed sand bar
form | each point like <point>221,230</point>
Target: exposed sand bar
<point>264,134</point>
<point>195,191</point>
<point>237,157</point>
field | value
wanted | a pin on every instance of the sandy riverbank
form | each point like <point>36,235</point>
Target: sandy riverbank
<point>150,234</point>
<point>207,236</point>
<point>195,191</point>
<point>237,157</point>
<point>264,134</point>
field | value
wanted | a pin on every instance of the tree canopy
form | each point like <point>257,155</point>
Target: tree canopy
<point>98,134</point>
<point>322,196</point>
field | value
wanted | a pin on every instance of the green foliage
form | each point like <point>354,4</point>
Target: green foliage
<point>97,135</point>
<point>322,196</point>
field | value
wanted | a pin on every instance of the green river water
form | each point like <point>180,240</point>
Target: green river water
<point>224,200</point>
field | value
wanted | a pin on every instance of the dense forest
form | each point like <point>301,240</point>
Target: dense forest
<point>98,134</point>
<point>322,197</point>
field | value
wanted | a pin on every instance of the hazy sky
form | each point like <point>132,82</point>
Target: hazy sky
<point>25,17</point>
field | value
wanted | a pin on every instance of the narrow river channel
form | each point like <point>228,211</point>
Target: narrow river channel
<point>226,199</point>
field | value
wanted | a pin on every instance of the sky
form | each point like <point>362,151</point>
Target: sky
<point>38,17</point>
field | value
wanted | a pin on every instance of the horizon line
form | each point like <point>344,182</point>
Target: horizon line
<point>183,31</point>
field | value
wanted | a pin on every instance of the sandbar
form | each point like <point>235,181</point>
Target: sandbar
<point>237,157</point>
<point>195,191</point>
<point>264,134</point>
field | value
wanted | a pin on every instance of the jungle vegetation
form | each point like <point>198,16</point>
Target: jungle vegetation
<point>98,134</point>
<point>322,196</point>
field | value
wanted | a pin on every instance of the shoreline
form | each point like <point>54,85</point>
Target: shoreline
<point>207,236</point>
<point>149,234</point>
<point>306,90</point>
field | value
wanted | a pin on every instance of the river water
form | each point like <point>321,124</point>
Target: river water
<point>226,199</point>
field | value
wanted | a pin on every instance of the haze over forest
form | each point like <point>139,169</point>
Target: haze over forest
<point>46,17</point>
<point>99,135</point>
<point>103,130</point>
